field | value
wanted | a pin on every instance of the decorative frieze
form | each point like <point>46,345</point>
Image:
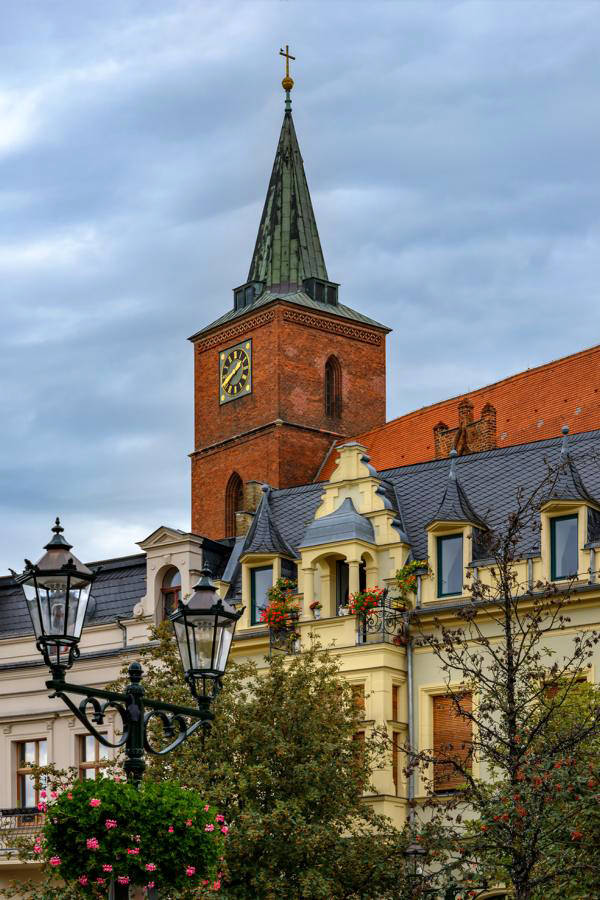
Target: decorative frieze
<point>333,326</point>
<point>242,328</point>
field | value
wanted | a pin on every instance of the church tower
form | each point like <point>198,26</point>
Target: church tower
<point>289,370</point>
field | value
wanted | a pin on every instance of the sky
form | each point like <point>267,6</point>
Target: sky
<point>451,150</point>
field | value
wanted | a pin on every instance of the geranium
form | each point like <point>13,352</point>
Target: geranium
<point>282,608</point>
<point>150,867</point>
<point>406,577</point>
<point>92,843</point>
<point>95,801</point>
<point>123,879</point>
<point>54,861</point>
<point>83,880</point>
<point>190,870</point>
<point>111,823</point>
<point>362,602</point>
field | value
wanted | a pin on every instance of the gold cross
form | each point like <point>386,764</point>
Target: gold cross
<point>288,81</point>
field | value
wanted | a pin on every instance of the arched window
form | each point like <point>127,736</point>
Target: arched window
<point>333,388</point>
<point>234,501</point>
<point>170,591</point>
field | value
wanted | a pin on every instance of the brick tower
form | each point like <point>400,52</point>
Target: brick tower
<point>286,372</point>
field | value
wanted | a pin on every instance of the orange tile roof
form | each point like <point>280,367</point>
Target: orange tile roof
<point>530,406</point>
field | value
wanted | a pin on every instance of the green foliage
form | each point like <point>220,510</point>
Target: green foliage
<point>99,830</point>
<point>406,577</point>
<point>283,763</point>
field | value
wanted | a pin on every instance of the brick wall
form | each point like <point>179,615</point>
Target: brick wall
<point>279,433</point>
<point>470,436</point>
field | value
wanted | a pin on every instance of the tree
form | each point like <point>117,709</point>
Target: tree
<point>288,760</point>
<point>524,820</point>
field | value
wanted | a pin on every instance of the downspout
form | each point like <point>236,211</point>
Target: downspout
<point>411,720</point>
<point>124,631</point>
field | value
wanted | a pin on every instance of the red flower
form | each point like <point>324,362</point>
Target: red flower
<point>576,835</point>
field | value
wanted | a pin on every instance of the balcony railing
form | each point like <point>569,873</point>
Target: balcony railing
<point>384,624</point>
<point>16,824</point>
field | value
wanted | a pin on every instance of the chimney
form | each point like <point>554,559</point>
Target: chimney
<point>465,413</point>
<point>440,439</point>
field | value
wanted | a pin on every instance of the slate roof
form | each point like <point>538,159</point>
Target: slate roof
<point>120,584</point>
<point>455,505</point>
<point>298,298</point>
<point>343,524</point>
<point>568,484</point>
<point>263,535</point>
<point>490,480</point>
<point>287,247</point>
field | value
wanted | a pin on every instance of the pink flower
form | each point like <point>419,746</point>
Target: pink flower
<point>190,870</point>
<point>43,794</point>
<point>53,794</point>
<point>95,802</point>
<point>170,829</point>
<point>69,796</point>
<point>219,818</point>
<point>117,778</point>
<point>133,851</point>
<point>188,822</point>
<point>111,823</point>
<point>123,879</point>
<point>209,827</point>
<point>225,829</point>
<point>216,885</point>
<point>106,867</point>
<point>55,860</point>
<point>206,808</point>
<point>100,880</point>
<point>83,880</point>
<point>150,884</point>
<point>37,848</point>
<point>150,867</point>
<point>42,806</point>
<point>92,843</point>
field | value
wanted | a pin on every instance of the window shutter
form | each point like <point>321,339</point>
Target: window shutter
<point>451,740</point>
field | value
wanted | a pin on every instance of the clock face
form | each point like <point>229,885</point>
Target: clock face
<point>235,372</point>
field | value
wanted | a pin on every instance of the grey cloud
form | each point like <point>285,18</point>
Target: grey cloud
<point>451,151</point>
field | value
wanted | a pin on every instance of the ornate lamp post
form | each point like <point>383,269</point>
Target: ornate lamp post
<point>414,855</point>
<point>57,591</point>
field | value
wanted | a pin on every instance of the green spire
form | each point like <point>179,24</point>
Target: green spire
<point>287,248</point>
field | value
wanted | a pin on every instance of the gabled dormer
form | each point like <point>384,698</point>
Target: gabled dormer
<point>265,556</point>
<point>570,521</point>
<point>455,538</point>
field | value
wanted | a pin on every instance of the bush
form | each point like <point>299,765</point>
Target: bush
<point>160,835</point>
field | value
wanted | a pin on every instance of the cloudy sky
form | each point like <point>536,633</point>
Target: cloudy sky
<point>452,153</point>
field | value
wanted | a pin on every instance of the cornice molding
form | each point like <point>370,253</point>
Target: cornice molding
<point>236,330</point>
<point>333,326</point>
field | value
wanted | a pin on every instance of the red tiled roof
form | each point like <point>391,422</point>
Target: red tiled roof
<point>530,406</point>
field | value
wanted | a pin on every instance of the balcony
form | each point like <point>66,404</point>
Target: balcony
<point>16,824</point>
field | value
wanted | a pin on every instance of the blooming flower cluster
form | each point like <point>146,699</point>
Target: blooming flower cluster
<point>92,843</point>
<point>282,609</point>
<point>362,602</point>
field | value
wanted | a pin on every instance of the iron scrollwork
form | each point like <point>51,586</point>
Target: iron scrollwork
<point>385,623</point>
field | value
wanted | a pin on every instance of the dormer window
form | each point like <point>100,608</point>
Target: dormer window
<point>564,547</point>
<point>321,291</point>
<point>246,294</point>
<point>450,565</point>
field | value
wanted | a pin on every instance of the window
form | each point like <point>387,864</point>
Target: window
<point>395,761</point>
<point>92,756</point>
<point>564,550</point>
<point>171,591</point>
<point>451,741</point>
<point>450,565</point>
<point>234,502</point>
<point>342,582</point>
<point>29,753</point>
<point>260,582</point>
<point>358,696</point>
<point>395,701</point>
<point>333,388</point>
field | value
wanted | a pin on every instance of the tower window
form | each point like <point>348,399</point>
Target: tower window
<point>333,388</point>
<point>234,502</point>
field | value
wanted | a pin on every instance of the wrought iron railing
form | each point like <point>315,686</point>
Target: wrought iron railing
<point>384,624</point>
<point>16,824</point>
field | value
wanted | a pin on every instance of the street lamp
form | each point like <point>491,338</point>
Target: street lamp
<point>57,591</point>
<point>414,855</point>
<point>204,629</point>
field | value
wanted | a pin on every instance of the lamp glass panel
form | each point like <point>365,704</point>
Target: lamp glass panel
<point>225,630</point>
<point>31,596</point>
<point>201,631</point>
<point>181,637</point>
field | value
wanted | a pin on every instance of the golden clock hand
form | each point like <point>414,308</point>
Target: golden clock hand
<point>232,373</point>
